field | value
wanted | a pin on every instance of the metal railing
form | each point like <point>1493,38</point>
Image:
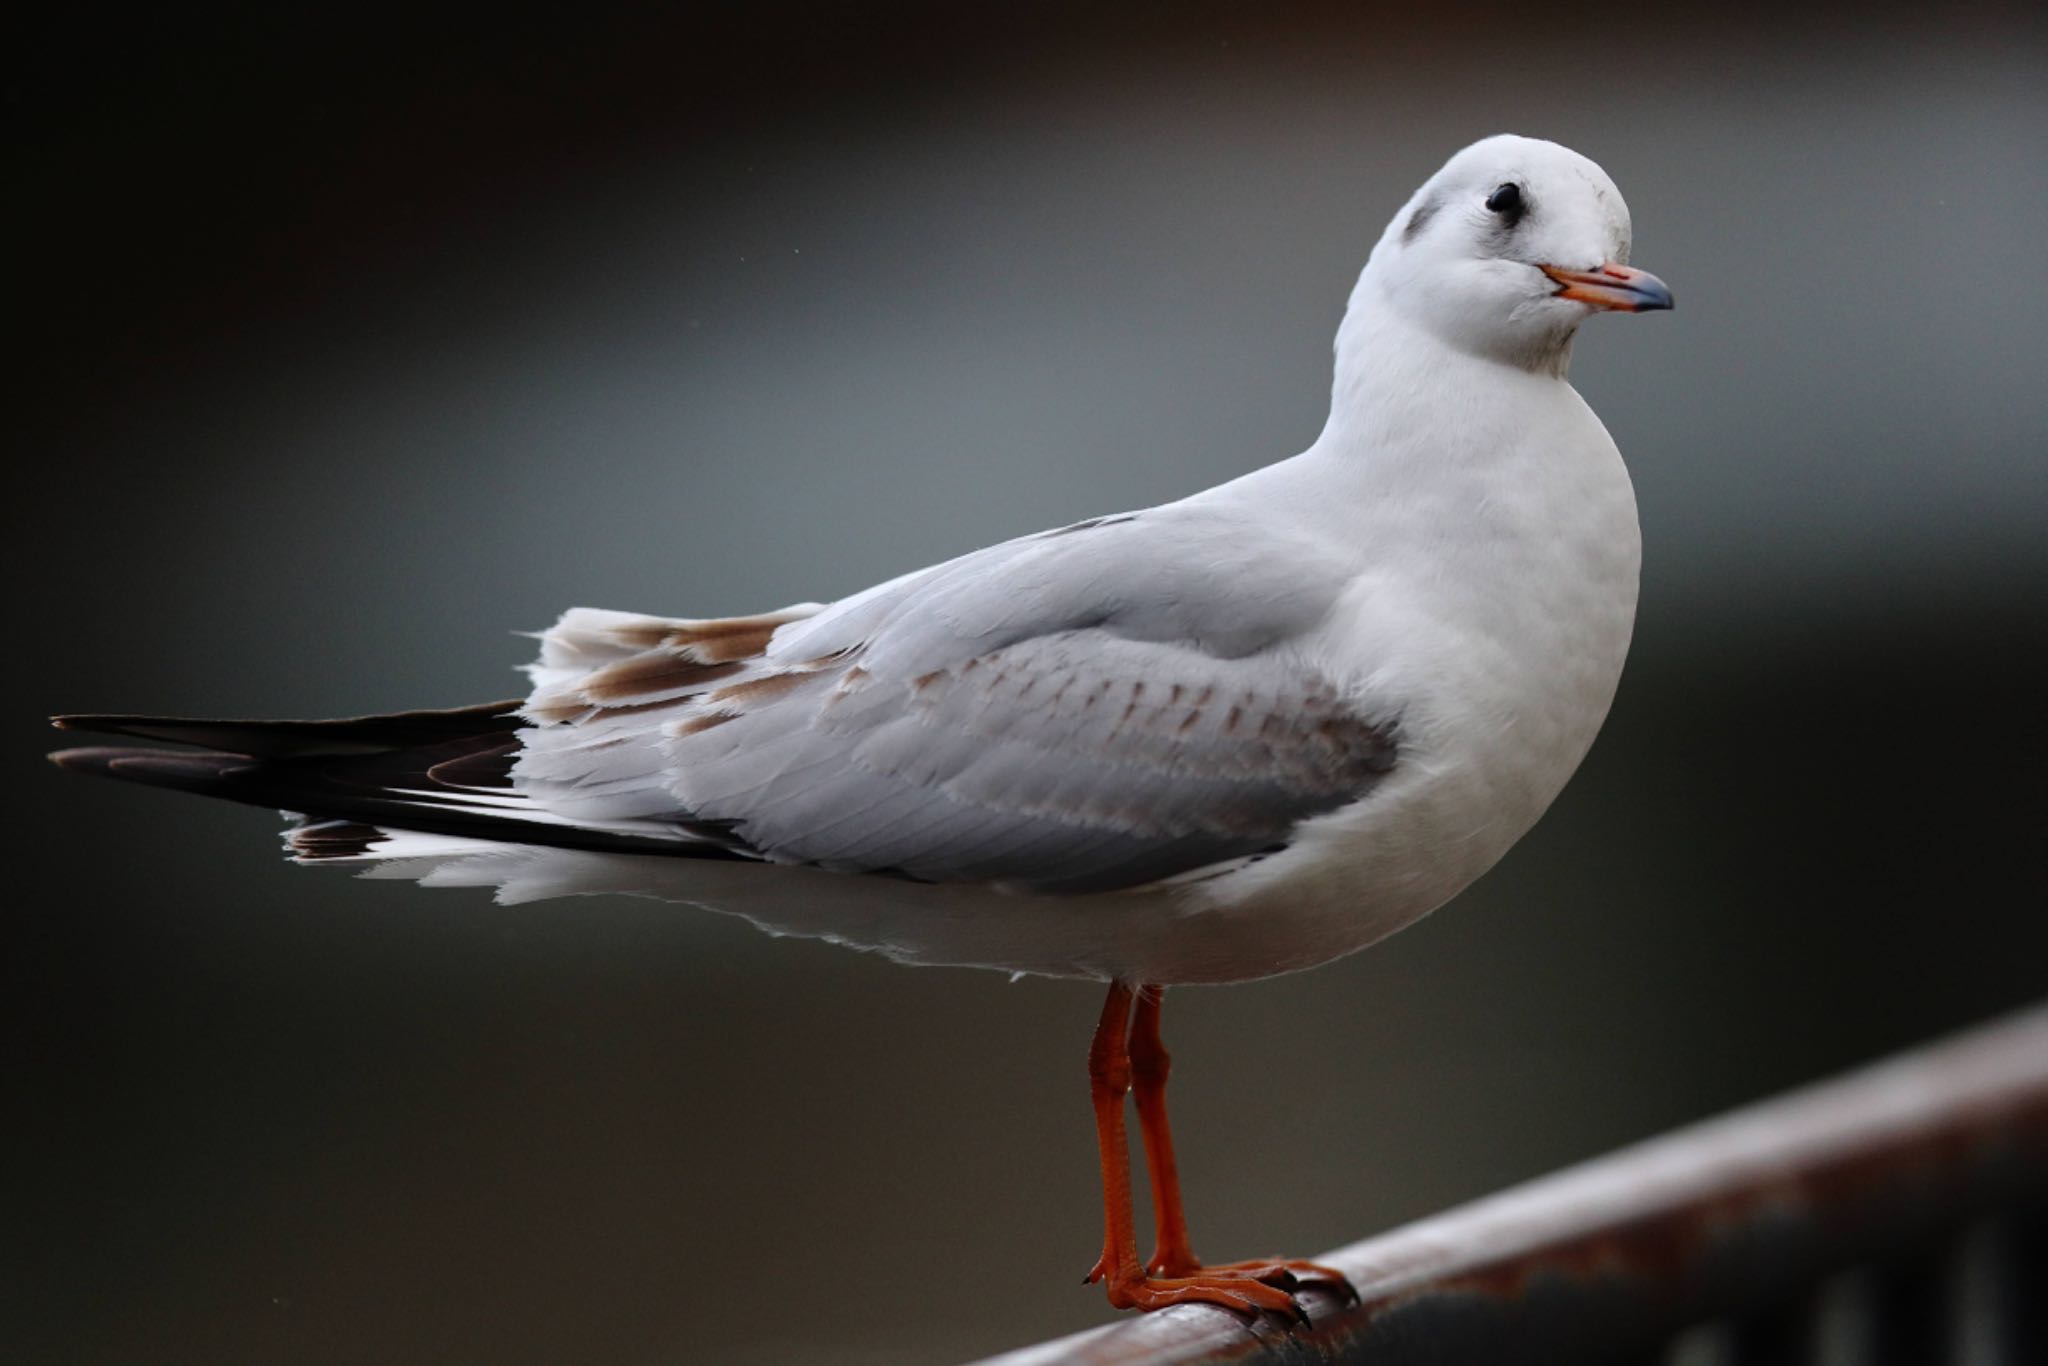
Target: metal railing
<point>1895,1215</point>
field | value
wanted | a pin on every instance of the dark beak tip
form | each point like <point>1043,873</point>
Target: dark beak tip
<point>1651,294</point>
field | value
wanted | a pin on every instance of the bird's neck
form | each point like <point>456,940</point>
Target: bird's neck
<point>1394,376</point>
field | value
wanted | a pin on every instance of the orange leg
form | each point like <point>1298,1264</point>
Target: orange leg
<point>1150,1063</point>
<point>1129,1284</point>
<point>1173,1255</point>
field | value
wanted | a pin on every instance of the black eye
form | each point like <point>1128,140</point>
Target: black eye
<point>1507,202</point>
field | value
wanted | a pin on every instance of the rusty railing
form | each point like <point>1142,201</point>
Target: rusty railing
<point>1898,1214</point>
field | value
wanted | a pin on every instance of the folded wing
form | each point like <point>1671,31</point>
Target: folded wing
<point>1086,710</point>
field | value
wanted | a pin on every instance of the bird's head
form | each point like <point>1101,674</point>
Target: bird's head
<point>1508,248</point>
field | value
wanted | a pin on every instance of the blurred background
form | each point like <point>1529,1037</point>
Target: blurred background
<point>348,344</point>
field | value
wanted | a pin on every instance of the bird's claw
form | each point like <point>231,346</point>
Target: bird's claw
<point>1239,1294</point>
<point>1282,1273</point>
<point>1268,1285</point>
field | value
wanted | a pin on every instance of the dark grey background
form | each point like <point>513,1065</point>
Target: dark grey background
<point>347,345</point>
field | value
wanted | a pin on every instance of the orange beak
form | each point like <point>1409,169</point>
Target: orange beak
<point>1621,288</point>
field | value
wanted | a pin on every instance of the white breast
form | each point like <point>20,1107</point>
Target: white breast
<point>1491,614</point>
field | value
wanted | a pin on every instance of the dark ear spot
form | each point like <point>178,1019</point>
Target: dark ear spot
<point>1419,220</point>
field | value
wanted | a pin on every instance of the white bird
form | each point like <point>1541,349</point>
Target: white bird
<point>1236,735</point>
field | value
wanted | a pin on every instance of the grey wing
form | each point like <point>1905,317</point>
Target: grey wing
<point>1073,762</point>
<point>1081,711</point>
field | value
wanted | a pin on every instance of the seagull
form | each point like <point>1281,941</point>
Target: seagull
<point>1241,734</point>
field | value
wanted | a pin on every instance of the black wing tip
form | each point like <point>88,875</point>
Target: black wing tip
<point>103,758</point>
<point>355,819</point>
<point>84,759</point>
<point>115,723</point>
<point>346,736</point>
<point>158,767</point>
<point>105,721</point>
